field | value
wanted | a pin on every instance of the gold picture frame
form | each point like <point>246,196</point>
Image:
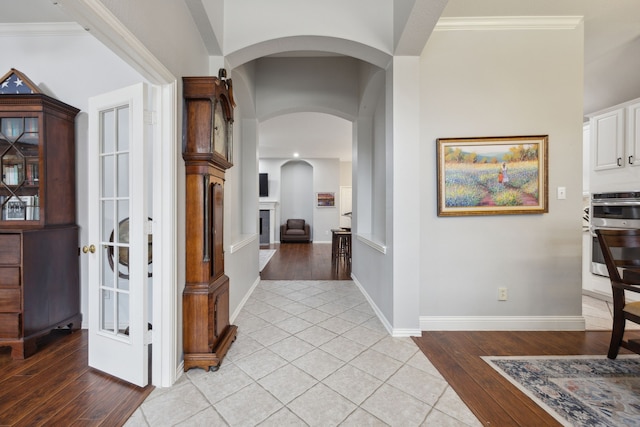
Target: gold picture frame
<point>492,175</point>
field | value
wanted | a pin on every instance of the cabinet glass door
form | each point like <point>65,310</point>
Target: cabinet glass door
<point>19,168</point>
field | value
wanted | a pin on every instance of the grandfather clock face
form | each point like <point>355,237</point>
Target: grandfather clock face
<point>220,142</point>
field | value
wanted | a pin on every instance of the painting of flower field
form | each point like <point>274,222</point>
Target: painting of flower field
<point>488,176</point>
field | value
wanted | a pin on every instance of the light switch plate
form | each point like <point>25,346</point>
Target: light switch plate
<point>562,193</point>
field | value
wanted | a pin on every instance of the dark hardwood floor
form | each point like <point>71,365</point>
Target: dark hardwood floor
<point>493,399</point>
<point>56,387</point>
<point>304,261</point>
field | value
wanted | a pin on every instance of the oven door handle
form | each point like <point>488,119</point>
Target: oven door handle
<point>616,203</point>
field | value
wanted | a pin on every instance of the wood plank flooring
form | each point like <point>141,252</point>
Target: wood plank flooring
<point>56,387</point>
<point>304,261</point>
<point>493,399</point>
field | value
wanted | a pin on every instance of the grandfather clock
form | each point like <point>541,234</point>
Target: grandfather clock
<point>208,120</point>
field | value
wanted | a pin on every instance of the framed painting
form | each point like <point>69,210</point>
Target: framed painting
<point>325,200</point>
<point>492,175</point>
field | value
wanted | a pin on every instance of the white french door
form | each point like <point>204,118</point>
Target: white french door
<point>118,247</point>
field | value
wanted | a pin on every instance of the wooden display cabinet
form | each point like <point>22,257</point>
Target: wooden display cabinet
<point>39,266</point>
<point>208,118</point>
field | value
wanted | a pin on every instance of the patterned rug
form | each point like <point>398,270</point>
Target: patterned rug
<point>264,257</point>
<point>578,390</point>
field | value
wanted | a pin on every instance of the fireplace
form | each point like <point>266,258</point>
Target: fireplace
<point>267,222</point>
<point>264,226</point>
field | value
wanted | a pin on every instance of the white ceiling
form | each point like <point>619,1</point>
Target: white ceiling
<point>612,62</point>
<point>311,135</point>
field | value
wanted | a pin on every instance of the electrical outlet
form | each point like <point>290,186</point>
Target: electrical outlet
<point>502,294</point>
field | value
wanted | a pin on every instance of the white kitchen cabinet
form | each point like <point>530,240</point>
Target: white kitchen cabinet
<point>615,148</point>
<point>607,140</point>
<point>633,134</point>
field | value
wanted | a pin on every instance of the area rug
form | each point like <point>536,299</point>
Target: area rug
<point>578,390</point>
<point>265,256</point>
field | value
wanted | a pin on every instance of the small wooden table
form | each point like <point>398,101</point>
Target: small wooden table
<point>340,244</point>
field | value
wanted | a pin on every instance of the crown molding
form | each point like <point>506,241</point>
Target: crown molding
<point>32,29</point>
<point>97,19</point>
<point>492,23</point>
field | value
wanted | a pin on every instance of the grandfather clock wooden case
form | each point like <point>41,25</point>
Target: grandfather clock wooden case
<point>208,119</point>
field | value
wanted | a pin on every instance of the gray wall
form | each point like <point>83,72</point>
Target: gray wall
<point>326,178</point>
<point>296,196</point>
<point>501,83</point>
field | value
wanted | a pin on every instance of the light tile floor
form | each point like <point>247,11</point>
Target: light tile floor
<point>598,314</point>
<point>314,353</point>
<point>310,353</point>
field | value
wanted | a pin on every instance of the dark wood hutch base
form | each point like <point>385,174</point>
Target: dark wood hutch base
<point>48,287</point>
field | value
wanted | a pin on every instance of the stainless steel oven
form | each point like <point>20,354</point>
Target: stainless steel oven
<point>618,210</point>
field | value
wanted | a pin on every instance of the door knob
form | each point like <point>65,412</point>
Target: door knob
<point>90,248</point>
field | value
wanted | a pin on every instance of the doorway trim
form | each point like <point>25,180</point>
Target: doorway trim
<point>95,18</point>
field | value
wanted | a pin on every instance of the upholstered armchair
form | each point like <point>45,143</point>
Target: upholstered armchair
<point>295,230</point>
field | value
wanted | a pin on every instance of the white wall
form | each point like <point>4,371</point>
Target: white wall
<point>166,28</point>
<point>363,21</point>
<point>70,66</point>
<point>326,84</point>
<point>241,243</point>
<point>493,83</point>
<point>372,255</point>
<point>297,195</point>
<point>326,178</point>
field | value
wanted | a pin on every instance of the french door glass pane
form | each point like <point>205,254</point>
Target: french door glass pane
<point>107,134</point>
<point>115,221</point>
<point>123,129</point>
<point>108,169</point>
<point>106,314</point>
<point>123,175</point>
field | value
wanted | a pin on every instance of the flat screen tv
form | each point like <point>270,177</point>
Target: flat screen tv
<point>264,185</point>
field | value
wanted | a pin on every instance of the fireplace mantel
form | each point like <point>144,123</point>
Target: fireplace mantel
<point>271,207</point>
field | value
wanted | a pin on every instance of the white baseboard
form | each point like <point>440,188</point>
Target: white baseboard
<point>400,332</point>
<point>373,305</point>
<point>502,323</point>
<point>394,332</point>
<point>180,370</point>
<point>236,312</point>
